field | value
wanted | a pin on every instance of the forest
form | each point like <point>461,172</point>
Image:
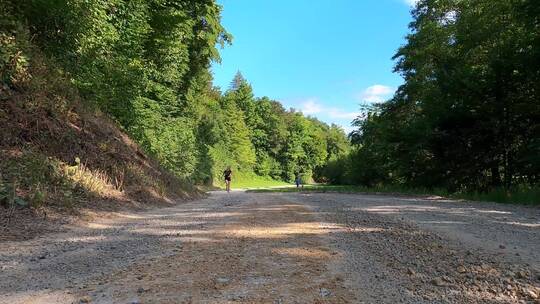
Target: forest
<point>467,117</point>
<point>115,142</point>
<point>147,65</point>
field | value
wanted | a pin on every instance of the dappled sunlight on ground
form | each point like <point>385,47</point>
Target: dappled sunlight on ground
<point>234,247</point>
<point>254,254</point>
<point>492,211</point>
<point>394,209</point>
<point>365,229</point>
<point>168,232</point>
<point>444,222</point>
<point>86,239</point>
<point>494,216</point>
<point>313,253</point>
<point>98,226</point>
<point>521,224</point>
<point>273,231</point>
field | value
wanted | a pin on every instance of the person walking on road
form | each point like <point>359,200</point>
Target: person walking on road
<point>227,174</point>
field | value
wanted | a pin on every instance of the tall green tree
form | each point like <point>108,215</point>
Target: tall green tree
<point>236,133</point>
<point>147,65</point>
<point>467,116</point>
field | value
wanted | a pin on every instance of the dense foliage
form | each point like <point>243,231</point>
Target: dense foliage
<point>146,64</point>
<point>271,141</point>
<point>467,117</point>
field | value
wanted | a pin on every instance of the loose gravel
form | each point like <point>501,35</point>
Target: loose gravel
<point>286,248</point>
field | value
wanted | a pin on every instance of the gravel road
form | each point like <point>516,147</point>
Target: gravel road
<point>286,248</point>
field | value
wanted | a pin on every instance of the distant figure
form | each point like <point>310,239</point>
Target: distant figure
<point>227,174</point>
<point>298,180</point>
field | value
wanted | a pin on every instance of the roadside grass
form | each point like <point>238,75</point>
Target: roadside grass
<point>520,195</point>
<point>355,189</point>
<point>252,182</point>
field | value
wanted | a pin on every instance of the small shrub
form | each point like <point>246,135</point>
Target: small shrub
<point>38,196</point>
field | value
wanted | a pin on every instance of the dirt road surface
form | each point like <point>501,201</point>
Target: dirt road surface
<point>286,248</point>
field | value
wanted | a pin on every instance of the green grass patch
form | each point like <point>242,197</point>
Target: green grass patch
<point>251,181</point>
<point>355,189</point>
<point>519,195</point>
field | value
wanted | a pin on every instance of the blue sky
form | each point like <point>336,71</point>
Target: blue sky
<point>323,57</point>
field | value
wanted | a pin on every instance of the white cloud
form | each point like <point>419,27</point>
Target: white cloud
<point>348,129</point>
<point>340,114</point>
<point>311,106</point>
<point>376,93</point>
<point>314,107</point>
<point>411,2</point>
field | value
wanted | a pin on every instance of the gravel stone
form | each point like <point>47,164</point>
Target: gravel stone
<point>383,249</point>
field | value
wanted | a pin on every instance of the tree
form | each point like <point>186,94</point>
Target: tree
<point>237,81</point>
<point>236,134</point>
<point>467,116</point>
<point>147,65</point>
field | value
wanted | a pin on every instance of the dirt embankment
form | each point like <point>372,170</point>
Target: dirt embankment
<point>59,158</point>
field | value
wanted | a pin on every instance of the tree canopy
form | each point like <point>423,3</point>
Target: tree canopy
<point>147,65</point>
<point>467,117</point>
